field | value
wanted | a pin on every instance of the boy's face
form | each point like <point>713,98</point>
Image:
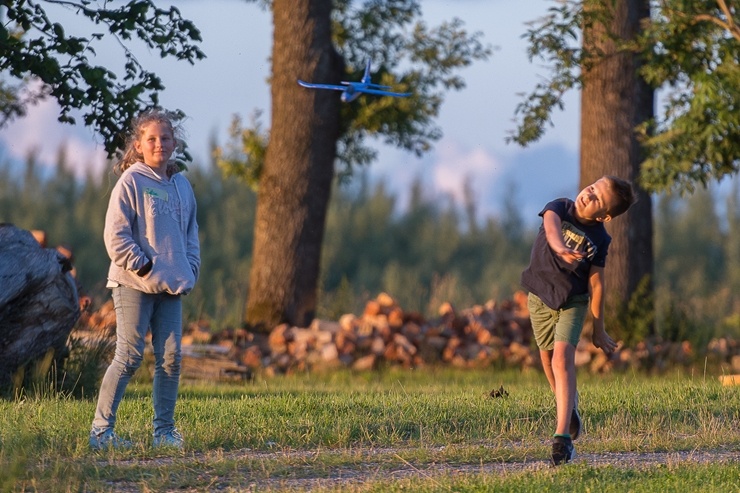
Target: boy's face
<point>595,201</point>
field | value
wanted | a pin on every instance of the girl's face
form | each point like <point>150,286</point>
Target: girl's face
<point>156,143</point>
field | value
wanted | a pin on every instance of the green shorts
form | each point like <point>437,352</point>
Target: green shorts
<point>565,324</point>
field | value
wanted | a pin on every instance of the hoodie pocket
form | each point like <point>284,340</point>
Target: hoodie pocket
<point>171,273</point>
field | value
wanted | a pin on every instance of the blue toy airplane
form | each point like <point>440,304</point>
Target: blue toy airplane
<point>352,90</point>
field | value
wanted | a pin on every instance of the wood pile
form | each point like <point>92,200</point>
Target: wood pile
<point>385,335</point>
<point>496,334</point>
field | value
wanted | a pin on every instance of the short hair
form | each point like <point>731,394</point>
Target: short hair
<point>624,192</point>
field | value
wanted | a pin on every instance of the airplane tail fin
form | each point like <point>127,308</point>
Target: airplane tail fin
<point>366,76</point>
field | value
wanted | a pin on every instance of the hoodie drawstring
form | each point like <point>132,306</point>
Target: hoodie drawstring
<point>182,208</point>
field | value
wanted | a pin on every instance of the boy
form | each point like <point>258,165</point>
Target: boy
<point>565,278</point>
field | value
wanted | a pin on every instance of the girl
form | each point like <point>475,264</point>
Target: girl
<point>151,236</point>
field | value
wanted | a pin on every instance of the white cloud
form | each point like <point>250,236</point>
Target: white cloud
<point>40,132</point>
<point>455,165</point>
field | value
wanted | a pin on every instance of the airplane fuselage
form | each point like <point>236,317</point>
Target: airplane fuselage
<point>353,90</point>
<point>350,94</point>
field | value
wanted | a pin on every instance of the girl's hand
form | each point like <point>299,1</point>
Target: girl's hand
<point>145,270</point>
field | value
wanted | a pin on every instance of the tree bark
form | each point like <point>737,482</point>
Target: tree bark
<point>295,185</point>
<point>614,100</point>
<point>39,303</point>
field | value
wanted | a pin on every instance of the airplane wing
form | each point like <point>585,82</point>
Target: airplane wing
<point>322,86</point>
<point>383,93</point>
<point>377,86</point>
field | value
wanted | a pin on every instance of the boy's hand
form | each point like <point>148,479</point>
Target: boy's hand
<point>602,340</point>
<point>570,255</point>
<point>554,234</point>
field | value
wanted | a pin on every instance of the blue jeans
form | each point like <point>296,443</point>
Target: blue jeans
<point>136,313</point>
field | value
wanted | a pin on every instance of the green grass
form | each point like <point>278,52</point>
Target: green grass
<point>420,430</point>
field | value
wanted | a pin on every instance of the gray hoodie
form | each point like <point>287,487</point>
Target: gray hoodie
<point>152,218</point>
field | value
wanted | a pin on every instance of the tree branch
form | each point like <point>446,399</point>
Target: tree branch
<point>728,25</point>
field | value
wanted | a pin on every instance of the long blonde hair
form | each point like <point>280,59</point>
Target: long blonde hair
<point>170,118</point>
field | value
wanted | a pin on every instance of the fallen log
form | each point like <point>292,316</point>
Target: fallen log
<point>39,303</point>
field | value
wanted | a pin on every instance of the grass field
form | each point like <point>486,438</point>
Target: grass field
<point>398,430</point>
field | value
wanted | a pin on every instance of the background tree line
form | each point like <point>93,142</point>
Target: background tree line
<point>434,250</point>
<point>618,53</point>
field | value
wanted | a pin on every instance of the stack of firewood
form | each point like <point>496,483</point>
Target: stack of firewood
<point>495,334</point>
<point>102,321</point>
<point>385,335</point>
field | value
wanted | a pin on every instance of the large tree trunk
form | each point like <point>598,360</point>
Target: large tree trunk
<point>299,167</point>
<point>615,99</point>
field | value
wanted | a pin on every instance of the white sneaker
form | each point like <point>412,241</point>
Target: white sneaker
<point>108,439</point>
<point>173,439</point>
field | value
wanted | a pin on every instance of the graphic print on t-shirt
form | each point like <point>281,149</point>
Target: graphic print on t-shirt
<point>577,240</point>
<point>159,203</point>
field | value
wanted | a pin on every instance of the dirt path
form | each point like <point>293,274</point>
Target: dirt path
<point>374,466</point>
<point>427,471</point>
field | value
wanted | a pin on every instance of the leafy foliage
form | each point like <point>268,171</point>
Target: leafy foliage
<point>689,49</point>
<point>35,48</point>
<point>244,155</point>
<point>555,39</point>
<point>634,321</point>
<point>693,48</point>
<point>226,224</point>
<point>407,55</point>
<point>697,266</point>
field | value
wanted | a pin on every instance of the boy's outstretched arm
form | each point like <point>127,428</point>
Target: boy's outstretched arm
<point>554,234</point>
<point>596,285</point>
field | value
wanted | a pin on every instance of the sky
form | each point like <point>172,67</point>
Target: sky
<point>237,39</point>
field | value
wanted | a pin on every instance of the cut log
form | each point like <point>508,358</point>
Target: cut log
<point>729,380</point>
<point>39,303</point>
<point>211,363</point>
<point>365,363</point>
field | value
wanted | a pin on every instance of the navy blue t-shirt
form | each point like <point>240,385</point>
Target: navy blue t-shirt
<point>549,276</point>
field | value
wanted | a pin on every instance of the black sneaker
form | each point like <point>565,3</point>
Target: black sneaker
<point>562,450</point>
<point>575,420</point>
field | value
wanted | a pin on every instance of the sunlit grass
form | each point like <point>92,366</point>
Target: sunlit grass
<point>574,478</point>
<point>311,426</point>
